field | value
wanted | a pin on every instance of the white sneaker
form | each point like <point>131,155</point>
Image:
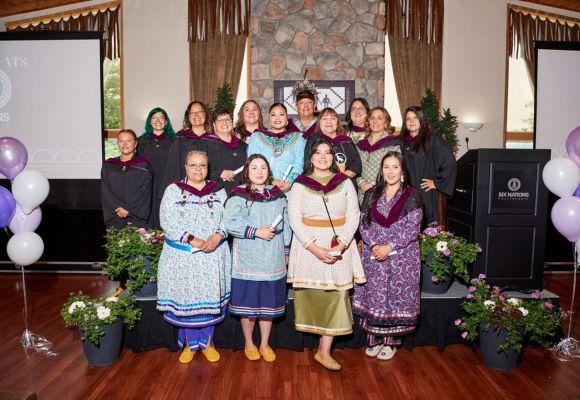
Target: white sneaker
<point>387,353</point>
<point>373,351</point>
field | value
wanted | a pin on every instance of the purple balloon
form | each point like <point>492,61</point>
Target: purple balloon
<point>577,192</point>
<point>25,222</point>
<point>7,207</point>
<point>566,217</point>
<point>573,145</point>
<point>13,157</point>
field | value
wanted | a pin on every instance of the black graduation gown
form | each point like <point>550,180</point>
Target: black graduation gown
<point>128,185</point>
<point>184,142</point>
<point>226,156</point>
<point>437,163</point>
<point>343,147</point>
<point>156,149</point>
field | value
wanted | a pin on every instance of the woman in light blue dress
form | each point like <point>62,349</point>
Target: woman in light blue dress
<point>256,214</point>
<point>283,149</point>
<point>194,271</point>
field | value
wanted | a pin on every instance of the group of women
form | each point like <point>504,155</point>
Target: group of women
<point>246,209</point>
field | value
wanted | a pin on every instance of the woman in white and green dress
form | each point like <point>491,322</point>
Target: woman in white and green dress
<point>380,139</point>
<point>324,263</point>
<point>194,271</point>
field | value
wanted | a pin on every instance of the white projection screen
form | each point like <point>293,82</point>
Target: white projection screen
<point>557,94</point>
<point>51,100</point>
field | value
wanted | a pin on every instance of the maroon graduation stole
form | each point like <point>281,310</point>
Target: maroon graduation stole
<point>365,145</point>
<point>192,135</point>
<point>235,142</point>
<point>396,211</point>
<point>279,135</point>
<point>207,189</point>
<point>292,127</point>
<point>358,129</point>
<point>337,140</point>
<point>267,195</point>
<point>410,139</point>
<point>132,163</point>
<point>158,138</point>
<point>317,186</point>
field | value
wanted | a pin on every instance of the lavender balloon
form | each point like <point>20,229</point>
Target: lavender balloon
<point>22,222</point>
<point>13,157</point>
<point>577,192</point>
<point>566,217</point>
<point>7,207</point>
<point>573,145</point>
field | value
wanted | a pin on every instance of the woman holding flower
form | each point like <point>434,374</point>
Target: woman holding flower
<point>195,267</point>
<point>388,303</point>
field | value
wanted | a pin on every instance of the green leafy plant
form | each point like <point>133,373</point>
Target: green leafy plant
<point>445,124</point>
<point>133,253</point>
<point>89,314</point>
<point>488,308</point>
<point>224,98</point>
<point>446,254</point>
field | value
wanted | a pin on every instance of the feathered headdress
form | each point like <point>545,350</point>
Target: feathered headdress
<point>304,86</point>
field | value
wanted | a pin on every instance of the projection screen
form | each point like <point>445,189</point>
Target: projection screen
<point>51,100</point>
<point>557,103</point>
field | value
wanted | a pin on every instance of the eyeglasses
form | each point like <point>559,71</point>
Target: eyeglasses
<point>222,120</point>
<point>357,109</point>
<point>196,112</point>
<point>196,166</point>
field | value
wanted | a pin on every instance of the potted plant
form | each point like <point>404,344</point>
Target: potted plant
<point>132,255</point>
<point>443,256</point>
<point>502,323</point>
<point>100,323</point>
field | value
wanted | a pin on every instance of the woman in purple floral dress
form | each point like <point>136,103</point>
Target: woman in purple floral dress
<point>388,303</point>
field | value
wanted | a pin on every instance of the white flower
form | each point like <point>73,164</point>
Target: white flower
<point>441,246</point>
<point>112,299</point>
<point>103,312</point>
<point>523,311</point>
<point>77,304</point>
<point>489,303</point>
<point>514,302</point>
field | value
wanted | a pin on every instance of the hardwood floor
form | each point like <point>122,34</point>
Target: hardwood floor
<point>425,373</point>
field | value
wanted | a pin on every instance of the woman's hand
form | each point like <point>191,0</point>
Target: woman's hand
<point>381,252</point>
<point>227,175</point>
<point>197,243</point>
<point>340,248</point>
<point>349,173</point>
<point>121,212</point>
<point>365,186</point>
<point>211,243</point>
<point>322,254</point>
<point>427,184</point>
<point>265,233</point>
<point>285,186</point>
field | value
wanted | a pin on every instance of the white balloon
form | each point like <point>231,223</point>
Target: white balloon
<point>30,189</point>
<point>561,176</point>
<point>25,248</point>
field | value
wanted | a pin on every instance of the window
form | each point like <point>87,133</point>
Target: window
<point>520,106</point>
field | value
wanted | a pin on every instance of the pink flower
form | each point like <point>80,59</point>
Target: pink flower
<point>464,335</point>
<point>430,232</point>
<point>153,240</point>
<point>481,276</point>
<point>455,241</point>
<point>548,305</point>
<point>472,289</point>
<point>457,322</point>
<point>446,252</point>
<point>536,295</point>
<point>469,296</point>
<point>141,231</point>
<point>501,297</point>
<point>496,288</point>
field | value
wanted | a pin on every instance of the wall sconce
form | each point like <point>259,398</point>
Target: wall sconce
<point>472,126</point>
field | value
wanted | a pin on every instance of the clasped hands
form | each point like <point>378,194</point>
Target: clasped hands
<point>121,212</point>
<point>323,253</point>
<point>207,246</point>
<point>381,251</point>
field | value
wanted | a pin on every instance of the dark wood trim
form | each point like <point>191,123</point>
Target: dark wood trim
<point>519,136</point>
<point>61,14</point>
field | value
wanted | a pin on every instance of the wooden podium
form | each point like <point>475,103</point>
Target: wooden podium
<point>500,202</point>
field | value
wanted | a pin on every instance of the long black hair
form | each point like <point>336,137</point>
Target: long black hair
<point>424,130</point>
<point>208,122</point>
<point>365,104</point>
<point>313,147</point>
<point>380,184</point>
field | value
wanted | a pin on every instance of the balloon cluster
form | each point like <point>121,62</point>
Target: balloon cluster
<point>19,209</point>
<point>562,177</point>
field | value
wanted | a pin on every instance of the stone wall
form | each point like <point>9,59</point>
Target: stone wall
<point>334,40</point>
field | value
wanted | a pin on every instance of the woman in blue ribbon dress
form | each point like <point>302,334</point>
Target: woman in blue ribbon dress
<point>257,216</point>
<point>195,267</point>
<point>283,149</point>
